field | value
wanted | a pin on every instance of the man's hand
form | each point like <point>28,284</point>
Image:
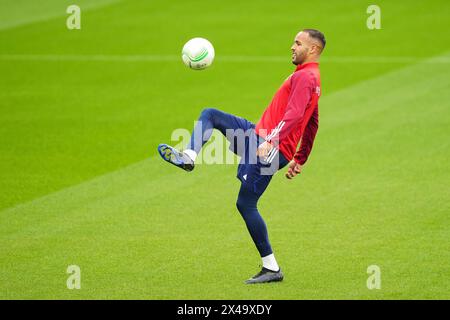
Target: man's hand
<point>264,149</point>
<point>294,168</point>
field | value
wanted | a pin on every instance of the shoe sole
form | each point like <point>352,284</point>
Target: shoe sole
<point>172,156</point>
<point>269,281</point>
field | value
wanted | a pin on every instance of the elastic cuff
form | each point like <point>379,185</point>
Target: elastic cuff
<point>299,160</point>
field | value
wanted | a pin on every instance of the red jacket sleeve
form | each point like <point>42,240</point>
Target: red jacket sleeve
<point>299,97</point>
<point>308,138</point>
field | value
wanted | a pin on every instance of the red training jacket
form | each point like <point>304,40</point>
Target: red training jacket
<point>293,114</point>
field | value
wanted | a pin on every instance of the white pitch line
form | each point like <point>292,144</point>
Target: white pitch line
<point>224,58</point>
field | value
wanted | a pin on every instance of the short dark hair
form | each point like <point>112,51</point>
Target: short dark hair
<point>316,34</point>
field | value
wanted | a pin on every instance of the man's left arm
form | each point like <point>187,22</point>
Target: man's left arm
<point>301,156</point>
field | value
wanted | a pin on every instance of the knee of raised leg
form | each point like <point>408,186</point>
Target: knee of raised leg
<point>208,112</point>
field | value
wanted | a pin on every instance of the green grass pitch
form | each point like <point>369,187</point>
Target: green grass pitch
<point>82,112</point>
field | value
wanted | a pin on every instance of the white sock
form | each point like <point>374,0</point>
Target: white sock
<point>191,154</point>
<point>270,263</point>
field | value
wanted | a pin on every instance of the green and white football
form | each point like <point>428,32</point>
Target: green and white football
<point>198,53</point>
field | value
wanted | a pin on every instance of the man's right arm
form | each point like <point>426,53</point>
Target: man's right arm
<point>299,97</point>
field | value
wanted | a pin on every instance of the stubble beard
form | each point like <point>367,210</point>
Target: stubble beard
<point>298,59</point>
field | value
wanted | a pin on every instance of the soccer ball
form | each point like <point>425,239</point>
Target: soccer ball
<point>198,53</point>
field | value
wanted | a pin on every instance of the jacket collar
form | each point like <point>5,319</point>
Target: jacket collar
<point>306,65</point>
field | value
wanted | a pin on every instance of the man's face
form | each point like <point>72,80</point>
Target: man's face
<point>300,48</point>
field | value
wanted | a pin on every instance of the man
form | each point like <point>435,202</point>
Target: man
<point>291,117</point>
